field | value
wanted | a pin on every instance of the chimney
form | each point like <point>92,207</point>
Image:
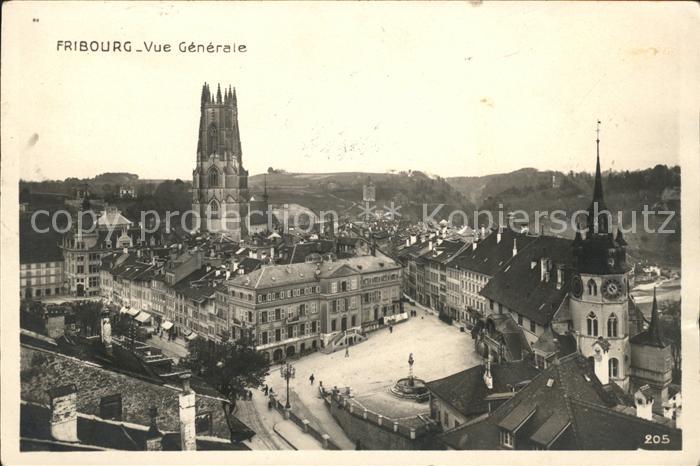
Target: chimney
<point>560,276</point>
<point>408,242</point>
<point>430,245</point>
<point>188,411</point>
<point>413,239</point>
<point>154,437</point>
<point>515,246</point>
<point>64,413</point>
<point>488,379</point>
<point>498,235</point>
<point>55,322</point>
<point>474,244</point>
<point>644,401</point>
<point>228,274</point>
<point>543,269</point>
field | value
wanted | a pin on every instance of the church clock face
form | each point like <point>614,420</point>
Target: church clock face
<point>612,288</point>
<point>577,286</point>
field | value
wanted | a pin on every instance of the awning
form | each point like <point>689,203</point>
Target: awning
<point>192,336</point>
<point>167,325</point>
<point>132,312</point>
<point>143,317</point>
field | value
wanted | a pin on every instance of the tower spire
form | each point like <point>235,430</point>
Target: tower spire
<point>218,93</point>
<point>598,189</point>
<point>655,333</point>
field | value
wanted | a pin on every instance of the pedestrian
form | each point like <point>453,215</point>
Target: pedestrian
<point>347,352</point>
<point>311,379</point>
<point>391,329</point>
<point>265,390</point>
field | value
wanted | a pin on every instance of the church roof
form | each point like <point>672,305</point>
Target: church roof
<point>519,287</point>
<point>652,336</point>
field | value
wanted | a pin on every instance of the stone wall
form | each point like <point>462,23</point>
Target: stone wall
<point>376,432</point>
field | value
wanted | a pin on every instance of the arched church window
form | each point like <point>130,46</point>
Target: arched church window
<point>214,209</point>
<point>592,324</point>
<point>612,325</point>
<point>613,367</point>
<point>592,287</point>
<point>213,178</point>
<point>211,139</point>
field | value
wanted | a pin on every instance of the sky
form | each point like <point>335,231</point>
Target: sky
<point>451,89</point>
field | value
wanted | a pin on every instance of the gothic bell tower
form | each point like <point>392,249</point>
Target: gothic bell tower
<point>599,298</point>
<point>220,196</point>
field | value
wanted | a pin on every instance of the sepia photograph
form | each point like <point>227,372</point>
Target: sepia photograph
<point>390,233</point>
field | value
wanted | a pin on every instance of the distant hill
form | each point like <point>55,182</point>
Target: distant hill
<point>342,192</point>
<point>529,190</point>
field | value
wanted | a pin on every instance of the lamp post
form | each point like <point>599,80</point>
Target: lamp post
<point>287,372</point>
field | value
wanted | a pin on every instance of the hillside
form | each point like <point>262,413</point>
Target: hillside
<point>342,192</point>
<point>531,190</point>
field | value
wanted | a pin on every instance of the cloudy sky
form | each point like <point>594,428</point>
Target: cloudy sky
<point>451,89</point>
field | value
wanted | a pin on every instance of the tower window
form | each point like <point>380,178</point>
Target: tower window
<point>613,367</point>
<point>592,324</point>
<point>213,178</point>
<point>612,325</point>
<point>592,287</point>
<point>214,209</point>
<point>211,139</point>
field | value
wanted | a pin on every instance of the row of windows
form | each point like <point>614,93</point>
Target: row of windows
<point>291,331</point>
<point>288,313</point>
<point>592,325</point>
<point>288,293</point>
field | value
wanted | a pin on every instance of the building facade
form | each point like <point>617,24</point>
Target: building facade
<point>291,309</point>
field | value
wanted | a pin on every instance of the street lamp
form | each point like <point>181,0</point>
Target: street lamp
<point>287,372</point>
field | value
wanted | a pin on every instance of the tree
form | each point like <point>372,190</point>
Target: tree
<point>671,329</point>
<point>230,366</point>
<point>88,313</point>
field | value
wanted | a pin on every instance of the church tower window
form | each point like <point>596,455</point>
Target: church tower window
<point>592,287</point>
<point>592,324</point>
<point>213,178</point>
<point>613,367</point>
<point>211,139</point>
<point>612,326</point>
<point>214,209</point>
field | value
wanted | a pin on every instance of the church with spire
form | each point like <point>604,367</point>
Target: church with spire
<point>220,195</point>
<point>599,301</point>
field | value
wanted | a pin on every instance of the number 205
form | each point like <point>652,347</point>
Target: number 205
<point>656,439</point>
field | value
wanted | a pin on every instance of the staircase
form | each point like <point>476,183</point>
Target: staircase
<point>344,339</point>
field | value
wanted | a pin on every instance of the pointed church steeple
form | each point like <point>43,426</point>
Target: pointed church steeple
<point>597,220</point>
<point>655,333</point>
<point>218,93</point>
<point>598,188</point>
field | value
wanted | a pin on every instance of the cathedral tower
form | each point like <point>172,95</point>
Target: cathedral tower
<point>600,289</point>
<point>219,181</point>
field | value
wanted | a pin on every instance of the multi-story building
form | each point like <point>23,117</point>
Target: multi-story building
<point>85,245</point>
<point>472,269</point>
<point>289,309</point>
<point>40,261</point>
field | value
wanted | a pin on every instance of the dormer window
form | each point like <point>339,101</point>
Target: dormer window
<point>507,439</point>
